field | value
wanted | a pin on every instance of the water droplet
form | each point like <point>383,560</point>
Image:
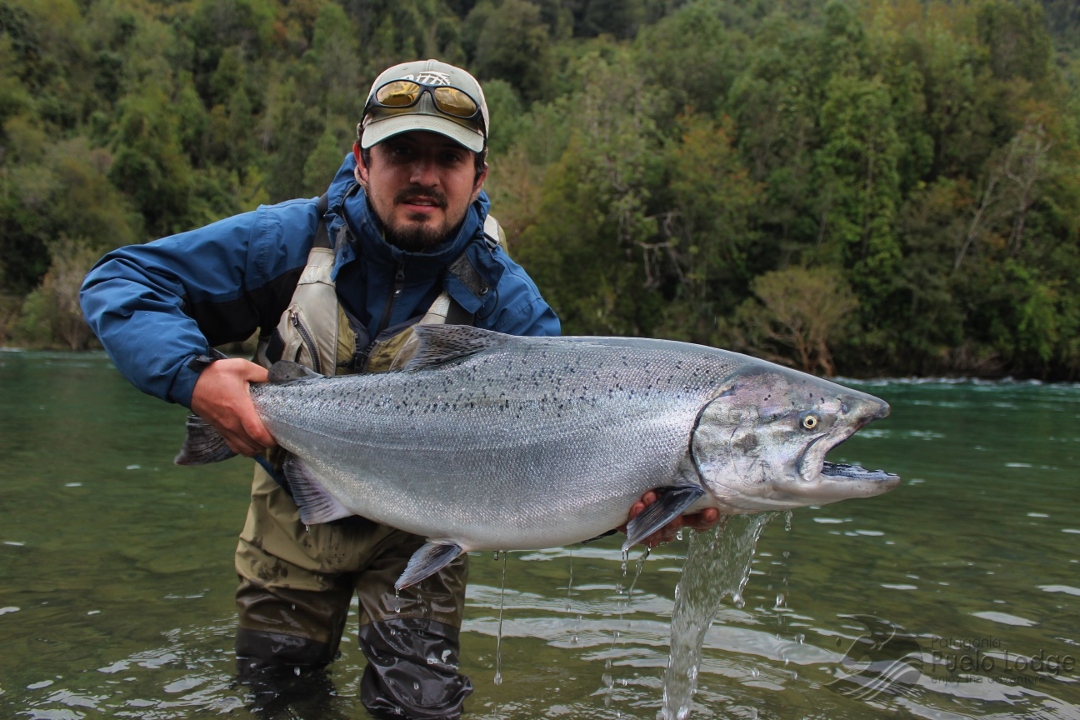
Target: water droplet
<point>779,600</point>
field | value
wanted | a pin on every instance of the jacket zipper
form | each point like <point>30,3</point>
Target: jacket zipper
<point>388,309</point>
<point>308,340</point>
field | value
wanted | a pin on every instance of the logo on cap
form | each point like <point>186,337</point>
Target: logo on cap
<point>429,77</point>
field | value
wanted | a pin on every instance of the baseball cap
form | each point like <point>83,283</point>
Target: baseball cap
<point>427,77</point>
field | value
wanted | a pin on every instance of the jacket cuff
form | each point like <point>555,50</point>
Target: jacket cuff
<point>184,383</point>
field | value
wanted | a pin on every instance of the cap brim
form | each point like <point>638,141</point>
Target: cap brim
<point>380,130</point>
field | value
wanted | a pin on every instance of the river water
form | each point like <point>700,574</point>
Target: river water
<point>955,596</point>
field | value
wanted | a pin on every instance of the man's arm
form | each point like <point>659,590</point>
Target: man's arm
<point>158,308</point>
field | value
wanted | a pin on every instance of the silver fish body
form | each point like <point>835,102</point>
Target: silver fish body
<point>493,442</point>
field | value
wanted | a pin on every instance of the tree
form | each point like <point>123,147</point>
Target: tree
<point>707,235</point>
<point>514,45</point>
<point>796,314</point>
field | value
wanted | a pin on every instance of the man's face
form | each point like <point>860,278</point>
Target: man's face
<point>420,185</point>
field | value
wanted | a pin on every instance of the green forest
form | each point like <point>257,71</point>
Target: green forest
<point>857,187</point>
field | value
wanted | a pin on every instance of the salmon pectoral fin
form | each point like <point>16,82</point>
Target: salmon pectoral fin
<point>315,503</point>
<point>672,503</point>
<point>425,562</point>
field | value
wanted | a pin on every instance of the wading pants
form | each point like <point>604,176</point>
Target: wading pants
<point>296,584</point>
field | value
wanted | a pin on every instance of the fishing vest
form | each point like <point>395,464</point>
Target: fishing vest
<point>317,332</point>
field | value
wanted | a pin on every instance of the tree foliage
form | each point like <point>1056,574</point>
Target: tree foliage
<point>843,185</point>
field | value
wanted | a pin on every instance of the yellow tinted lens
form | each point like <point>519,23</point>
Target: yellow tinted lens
<point>454,102</point>
<point>400,93</point>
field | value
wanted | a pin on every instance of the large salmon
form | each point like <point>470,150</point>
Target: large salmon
<point>487,441</point>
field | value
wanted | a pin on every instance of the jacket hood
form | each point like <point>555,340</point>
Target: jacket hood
<point>348,206</point>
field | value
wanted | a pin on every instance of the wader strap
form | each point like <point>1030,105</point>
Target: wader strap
<point>457,315</point>
<point>322,235</point>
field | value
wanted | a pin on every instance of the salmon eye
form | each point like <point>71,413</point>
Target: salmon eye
<point>810,421</point>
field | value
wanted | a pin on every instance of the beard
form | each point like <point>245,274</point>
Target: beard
<point>416,235</point>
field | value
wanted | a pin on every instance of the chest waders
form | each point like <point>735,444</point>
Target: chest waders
<point>297,582</point>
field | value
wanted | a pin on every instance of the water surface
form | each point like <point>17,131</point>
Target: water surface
<point>956,596</point>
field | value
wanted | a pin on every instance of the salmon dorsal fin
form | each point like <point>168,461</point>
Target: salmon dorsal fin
<point>440,344</point>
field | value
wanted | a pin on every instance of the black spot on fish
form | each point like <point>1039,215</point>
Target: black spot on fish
<point>746,443</point>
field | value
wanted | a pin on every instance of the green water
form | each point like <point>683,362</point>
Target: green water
<point>116,576</point>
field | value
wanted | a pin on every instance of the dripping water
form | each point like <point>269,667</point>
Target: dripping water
<point>717,564</point>
<point>570,583</point>
<point>624,592</point>
<point>502,605</point>
<point>570,602</point>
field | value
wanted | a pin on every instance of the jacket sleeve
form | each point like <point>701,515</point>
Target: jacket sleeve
<point>519,308</point>
<point>159,306</point>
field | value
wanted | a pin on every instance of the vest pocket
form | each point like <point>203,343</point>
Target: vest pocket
<point>302,347</point>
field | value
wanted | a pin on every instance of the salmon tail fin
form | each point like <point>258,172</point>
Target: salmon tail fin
<point>670,505</point>
<point>202,444</point>
<point>425,562</point>
<point>315,503</point>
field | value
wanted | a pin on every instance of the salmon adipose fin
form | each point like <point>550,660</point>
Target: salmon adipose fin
<point>670,505</point>
<point>428,560</point>
<point>315,503</point>
<point>202,444</point>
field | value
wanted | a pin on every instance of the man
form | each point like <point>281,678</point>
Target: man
<point>401,236</point>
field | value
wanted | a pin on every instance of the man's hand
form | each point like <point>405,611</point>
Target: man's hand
<point>221,398</point>
<point>697,521</point>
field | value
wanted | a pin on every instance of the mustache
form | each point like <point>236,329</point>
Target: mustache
<point>413,193</point>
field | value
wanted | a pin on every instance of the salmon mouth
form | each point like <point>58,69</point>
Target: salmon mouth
<point>846,471</point>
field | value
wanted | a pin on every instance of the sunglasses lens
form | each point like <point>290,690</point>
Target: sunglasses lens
<point>400,93</point>
<point>454,102</point>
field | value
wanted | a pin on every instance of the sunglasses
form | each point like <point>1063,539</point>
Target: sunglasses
<point>399,94</point>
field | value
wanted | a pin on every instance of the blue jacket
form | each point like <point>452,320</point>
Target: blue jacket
<point>156,307</point>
